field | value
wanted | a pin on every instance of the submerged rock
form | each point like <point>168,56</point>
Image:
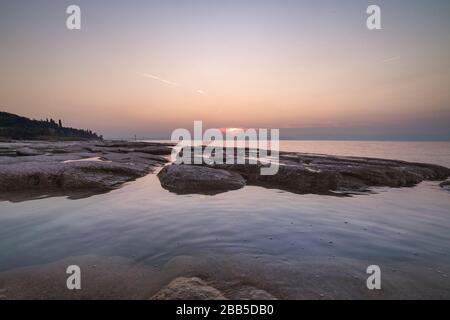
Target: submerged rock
<point>196,289</point>
<point>184,179</point>
<point>188,289</point>
<point>251,293</point>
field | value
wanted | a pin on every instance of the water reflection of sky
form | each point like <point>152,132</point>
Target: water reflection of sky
<point>146,223</point>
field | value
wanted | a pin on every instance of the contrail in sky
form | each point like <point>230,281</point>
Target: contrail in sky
<point>147,75</point>
<point>168,82</point>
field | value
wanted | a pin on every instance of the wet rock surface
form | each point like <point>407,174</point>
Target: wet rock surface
<point>188,289</point>
<point>184,179</point>
<point>307,174</point>
<point>65,167</point>
<point>445,185</point>
<point>194,288</point>
<point>83,168</point>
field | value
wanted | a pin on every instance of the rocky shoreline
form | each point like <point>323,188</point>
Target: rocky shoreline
<point>35,169</point>
<point>42,168</point>
<point>302,174</point>
<point>92,167</point>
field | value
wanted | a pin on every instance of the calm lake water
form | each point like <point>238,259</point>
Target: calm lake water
<point>145,223</point>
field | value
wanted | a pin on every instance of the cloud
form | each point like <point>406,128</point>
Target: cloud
<point>391,59</point>
<point>168,82</point>
<point>200,91</point>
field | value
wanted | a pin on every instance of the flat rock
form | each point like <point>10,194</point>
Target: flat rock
<point>184,179</point>
<point>63,167</point>
<point>28,152</point>
<point>66,176</point>
<point>315,174</point>
<point>144,147</point>
<point>302,173</point>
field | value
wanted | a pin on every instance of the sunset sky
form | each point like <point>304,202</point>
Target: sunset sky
<point>311,68</point>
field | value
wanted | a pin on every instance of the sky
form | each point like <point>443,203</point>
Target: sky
<point>310,68</point>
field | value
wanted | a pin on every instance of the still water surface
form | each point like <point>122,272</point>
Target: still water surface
<point>145,223</point>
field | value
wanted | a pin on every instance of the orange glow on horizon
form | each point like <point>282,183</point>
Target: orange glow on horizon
<point>231,129</point>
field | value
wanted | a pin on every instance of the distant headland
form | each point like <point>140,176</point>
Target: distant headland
<point>14,127</point>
